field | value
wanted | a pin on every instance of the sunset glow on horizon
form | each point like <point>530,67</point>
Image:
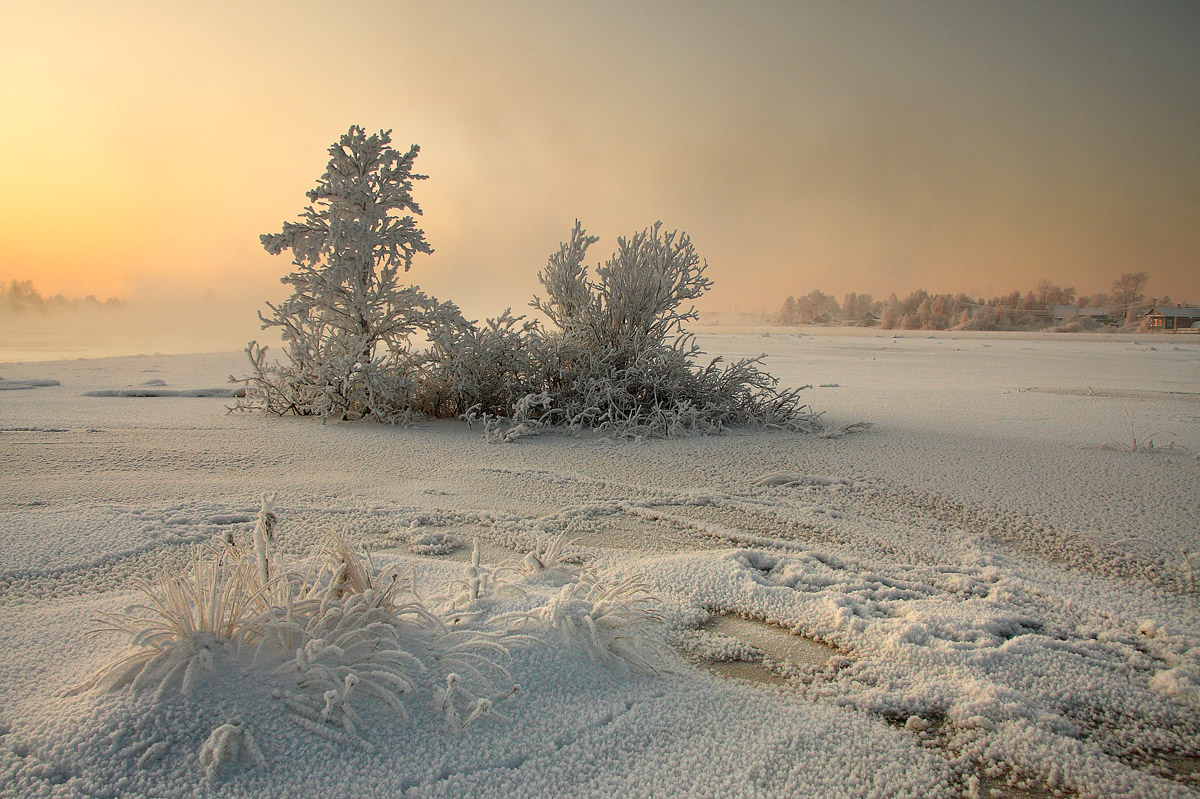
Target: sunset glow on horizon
<point>876,148</point>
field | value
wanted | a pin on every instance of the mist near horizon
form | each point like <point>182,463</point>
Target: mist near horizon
<point>959,147</point>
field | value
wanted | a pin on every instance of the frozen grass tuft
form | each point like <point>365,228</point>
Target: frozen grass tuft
<point>1138,440</point>
<point>349,645</point>
<point>343,636</point>
<point>556,559</point>
<point>359,649</point>
<point>182,622</point>
<point>618,624</point>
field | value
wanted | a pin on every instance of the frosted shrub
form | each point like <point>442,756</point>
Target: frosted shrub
<point>620,358</point>
<point>616,356</point>
<point>486,370</point>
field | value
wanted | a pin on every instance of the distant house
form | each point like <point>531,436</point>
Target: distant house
<point>868,319</point>
<point>1069,313</point>
<point>1174,317</point>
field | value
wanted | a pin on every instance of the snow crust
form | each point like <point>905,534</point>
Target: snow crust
<point>1007,600</point>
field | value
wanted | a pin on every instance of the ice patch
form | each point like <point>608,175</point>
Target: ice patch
<point>20,385</point>
<point>165,392</point>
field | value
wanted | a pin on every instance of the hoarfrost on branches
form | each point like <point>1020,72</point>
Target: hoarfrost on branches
<point>616,357</point>
<point>348,324</point>
<point>621,359</point>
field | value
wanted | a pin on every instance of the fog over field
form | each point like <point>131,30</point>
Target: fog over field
<point>172,324</point>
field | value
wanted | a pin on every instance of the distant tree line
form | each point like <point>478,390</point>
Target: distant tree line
<point>19,297</point>
<point>1123,304</point>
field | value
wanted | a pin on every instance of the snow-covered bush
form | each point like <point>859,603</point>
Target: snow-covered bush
<point>619,357</point>
<point>485,370</point>
<point>348,324</point>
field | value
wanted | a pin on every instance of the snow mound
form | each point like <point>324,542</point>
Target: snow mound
<point>228,745</point>
<point>792,479</point>
<point>435,542</point>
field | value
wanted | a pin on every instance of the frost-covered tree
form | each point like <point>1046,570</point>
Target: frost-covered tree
<point>1127,293</point>
<point>348,324</point>
<point>787,315</point>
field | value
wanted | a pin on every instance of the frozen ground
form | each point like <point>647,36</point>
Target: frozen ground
<point>999,574</point>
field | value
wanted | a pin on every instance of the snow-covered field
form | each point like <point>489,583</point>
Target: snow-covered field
<point>999,573</point>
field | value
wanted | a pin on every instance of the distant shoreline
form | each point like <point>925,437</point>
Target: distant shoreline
<point>27,355</point>
<point>767,329</point>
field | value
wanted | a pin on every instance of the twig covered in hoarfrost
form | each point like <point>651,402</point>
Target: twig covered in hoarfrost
<point>227,745</point>
<point>555,559</point>
<point>480,582</point>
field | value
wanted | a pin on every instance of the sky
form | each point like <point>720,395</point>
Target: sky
<point>870,147</point>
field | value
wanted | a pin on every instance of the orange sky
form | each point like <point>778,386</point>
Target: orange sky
<point>869,147</point>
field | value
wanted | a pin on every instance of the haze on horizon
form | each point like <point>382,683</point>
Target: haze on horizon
<point>961,146</point>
